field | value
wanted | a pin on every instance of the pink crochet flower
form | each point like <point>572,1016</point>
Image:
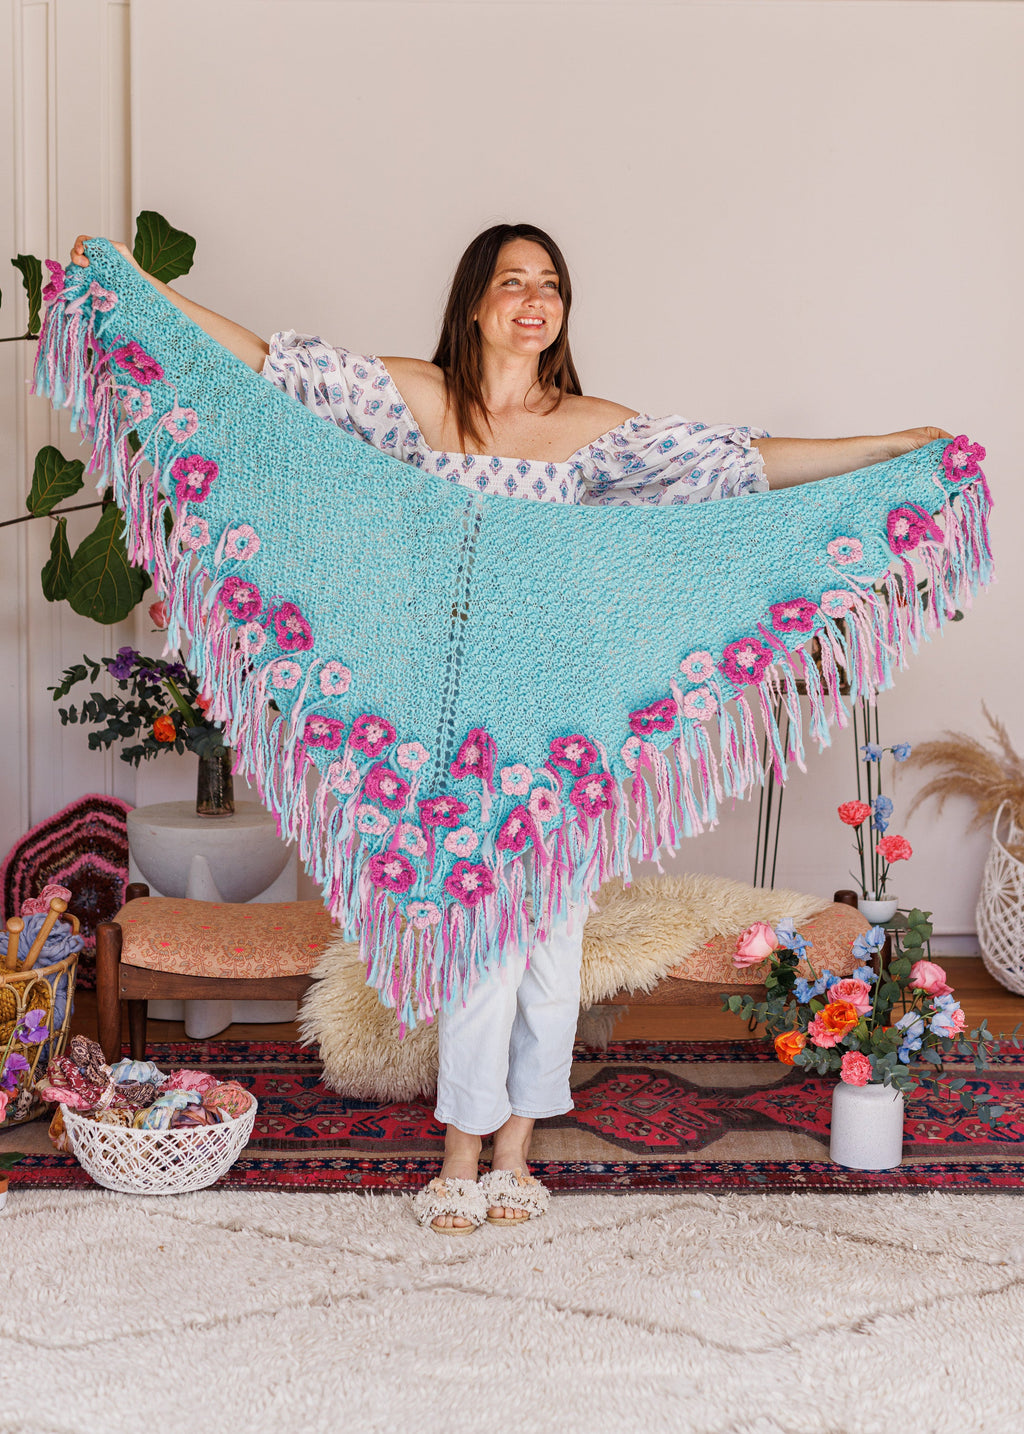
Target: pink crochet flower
<point>575,754</point>
<point>241,598</point>
<point>412,840</point>
<point>660,716</point>
<point>180,423</point>
<point>845,550</point>
<point>423,914</point>
<point>837,602</point>
<point>517,829</point>
<point>544,805</point>
<point>745,661</point>
<point>323,732</point>
<point>291,629</point>
<point>476,756</point>
<point>391,871</point>
<point>699,704</point>
<point>103,300</point>
<point>193,533</point>
<point>241,543</point>
<point>442,811</point>
<point>55,286</point>
<point>252,638</point>
<point>908,526</point>
<point>469,884</point>
<point>698,667</point>
<point>370,735</point>
<point>593,794</point>
<point>137,405</point>
<point>193,474</point>
<point>285,675</point>
<point>412,755</point>
<point>371,821</point>
<point>855,1068</point>
<point>343,776</point>
<point>961,459</point>
<point>334,679</point>
<point>386,787</point>
<point>143,368</point>
<point>463,842</point>
<point>797,615</point>
<point>515,780</point>
<point>630,752</point>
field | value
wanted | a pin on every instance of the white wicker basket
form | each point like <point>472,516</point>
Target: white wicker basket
<point>1000,911</point>
<point>156,1162</point>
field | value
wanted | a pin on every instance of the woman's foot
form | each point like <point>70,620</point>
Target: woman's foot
<point>511,1148</point>
<point>461,1162</point>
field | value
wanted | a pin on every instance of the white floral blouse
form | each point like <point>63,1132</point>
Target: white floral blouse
<point>643,460</point>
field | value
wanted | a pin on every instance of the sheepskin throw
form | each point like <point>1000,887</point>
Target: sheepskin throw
<point>470,680</point>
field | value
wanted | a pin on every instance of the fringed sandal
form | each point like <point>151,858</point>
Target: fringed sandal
<point>515,1191</point>
<point>461,1198</point>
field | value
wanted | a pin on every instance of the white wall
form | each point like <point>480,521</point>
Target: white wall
<point>802,214</point>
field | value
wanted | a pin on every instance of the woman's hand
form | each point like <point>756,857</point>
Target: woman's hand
<point>80,257</point>
<point>911,438</point>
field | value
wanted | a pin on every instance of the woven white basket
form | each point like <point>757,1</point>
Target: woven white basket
<point>1000,910</point>
<point>156,1162</point>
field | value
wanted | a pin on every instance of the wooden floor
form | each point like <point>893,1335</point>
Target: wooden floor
<point>982,998</point>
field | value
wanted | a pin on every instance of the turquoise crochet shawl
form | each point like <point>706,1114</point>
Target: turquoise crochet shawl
<point>460,705</point>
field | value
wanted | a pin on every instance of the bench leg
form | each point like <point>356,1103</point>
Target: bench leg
<point>137,1029</point>
<point>108,985</point>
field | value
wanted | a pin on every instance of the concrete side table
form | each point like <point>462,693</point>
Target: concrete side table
<point>237,858</point>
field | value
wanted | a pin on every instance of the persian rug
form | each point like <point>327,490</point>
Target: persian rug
<point>665,1116</point>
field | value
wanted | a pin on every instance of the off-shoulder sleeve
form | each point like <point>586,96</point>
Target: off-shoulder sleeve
<point>668,460</point>
<point>354,390</point>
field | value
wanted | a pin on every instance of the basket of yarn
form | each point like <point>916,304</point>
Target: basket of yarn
<point>38,964</point>
<point>137,1130</point>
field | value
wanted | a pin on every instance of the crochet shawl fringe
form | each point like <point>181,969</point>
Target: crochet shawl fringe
<point>659,793</point>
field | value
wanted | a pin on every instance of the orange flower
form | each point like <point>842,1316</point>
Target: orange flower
<point>787,1045</point>
<point>838,1018</point>
<point>164,729</point>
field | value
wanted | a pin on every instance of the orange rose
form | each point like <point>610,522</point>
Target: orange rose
<point>838,1018</point>
<point>787,1045</point>
<point>164,729</point>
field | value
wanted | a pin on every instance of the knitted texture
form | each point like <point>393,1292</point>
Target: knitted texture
<point>429,684</point>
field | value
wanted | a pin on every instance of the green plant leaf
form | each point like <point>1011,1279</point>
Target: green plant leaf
<point>105,585</point>
<point>54,478</point>
<point>163,251</point>
<point>10,1158</point>
<point>56,575</point>
<point>31,271</point>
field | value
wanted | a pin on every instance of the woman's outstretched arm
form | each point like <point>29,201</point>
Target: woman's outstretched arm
<point>788,461</point>
<point>244,344</point>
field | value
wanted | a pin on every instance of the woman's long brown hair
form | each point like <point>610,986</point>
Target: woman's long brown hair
<point>459,348</point>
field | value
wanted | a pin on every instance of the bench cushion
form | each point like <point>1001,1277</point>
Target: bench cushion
<point>213,938</point>
<point>831,934</point>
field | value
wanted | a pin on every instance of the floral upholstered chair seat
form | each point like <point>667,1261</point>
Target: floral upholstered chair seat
<point>211,938</point>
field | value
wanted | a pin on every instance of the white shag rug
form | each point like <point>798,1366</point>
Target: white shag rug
<point>243,1312</point>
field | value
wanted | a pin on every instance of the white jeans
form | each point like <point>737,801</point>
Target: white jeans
<point>508,1050</point>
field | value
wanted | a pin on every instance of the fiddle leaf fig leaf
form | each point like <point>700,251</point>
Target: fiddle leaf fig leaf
<point>54,478</point>
<point>56,575</point>
<point>104,584</point>
<point>31,271</point>
<point>163,251</point>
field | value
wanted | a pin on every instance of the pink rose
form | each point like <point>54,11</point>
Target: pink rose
<point>931,979</point>
<point>158,614</point>
<point>756,944</point>
<point>4,1098</point>
<point>855,993</point>
<point>855,1068</point>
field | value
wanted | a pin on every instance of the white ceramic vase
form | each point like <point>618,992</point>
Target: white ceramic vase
<point>878,912</point>
<point>867,1126</point>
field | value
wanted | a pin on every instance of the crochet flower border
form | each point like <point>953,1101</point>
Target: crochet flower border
<point>427,865</point>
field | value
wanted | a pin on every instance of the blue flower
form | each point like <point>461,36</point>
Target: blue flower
<point>804,991</point>
<point>789,938</point>
<point>881,811</point>
<point>942,1023</point>
<point>865,974</point>
<point>871,753</point>
<point>912,1043</point>
<point>901,751</point>
<point>868,942</point>
<point>912,1024</point>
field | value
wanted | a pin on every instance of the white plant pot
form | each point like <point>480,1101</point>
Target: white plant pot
<point>867,1126</point>
<point>878,912</point>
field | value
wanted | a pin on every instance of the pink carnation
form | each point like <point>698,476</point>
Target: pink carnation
<point>821,1035</point>
<point>855,1068</point>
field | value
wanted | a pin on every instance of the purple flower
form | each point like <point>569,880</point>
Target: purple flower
<point>121,665</point>
<point>32,1030</point>
<point>15,1065</point>
<point>291,629</point>
<point>143,368</point>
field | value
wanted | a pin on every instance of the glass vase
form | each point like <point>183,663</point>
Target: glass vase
<point>215,795</point>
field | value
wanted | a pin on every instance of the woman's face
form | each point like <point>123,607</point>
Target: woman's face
<point>521,311</point>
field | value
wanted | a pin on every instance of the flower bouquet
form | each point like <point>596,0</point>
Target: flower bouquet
<point>888,1024</point>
